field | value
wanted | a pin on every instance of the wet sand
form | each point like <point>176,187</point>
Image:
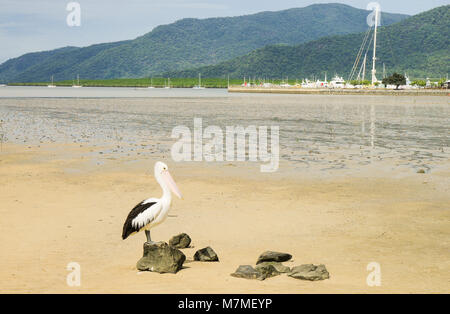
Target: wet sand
<point>346,132</point>
<point>58,209</point>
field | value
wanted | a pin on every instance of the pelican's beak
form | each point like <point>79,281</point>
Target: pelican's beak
<point>172,185</point>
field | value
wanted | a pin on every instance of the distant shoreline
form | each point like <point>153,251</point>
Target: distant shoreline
<point>236,87</point>
<point>328,91</point>
<point>111,86</point>
<point>141,83</point>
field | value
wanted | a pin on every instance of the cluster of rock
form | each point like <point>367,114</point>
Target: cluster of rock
<point>167,258</point>
<point>269,264</point>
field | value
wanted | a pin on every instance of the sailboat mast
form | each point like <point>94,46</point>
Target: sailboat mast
<point>374,71</point>
<point>364,68</point>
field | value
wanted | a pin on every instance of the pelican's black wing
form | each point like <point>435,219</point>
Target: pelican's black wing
<point>138,209</point>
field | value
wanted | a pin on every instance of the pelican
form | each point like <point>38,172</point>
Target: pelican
<point>153,211</point>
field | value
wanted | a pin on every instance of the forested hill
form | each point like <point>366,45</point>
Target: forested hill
<point>418,46</point>
<point>190,43</point>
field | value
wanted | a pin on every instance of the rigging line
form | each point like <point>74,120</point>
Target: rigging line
<point>354,69</point>
<point>360,70</point>
<point>365,42</point>
<point>358,57</point>
<point>367,51</point>
<point>355,64</point>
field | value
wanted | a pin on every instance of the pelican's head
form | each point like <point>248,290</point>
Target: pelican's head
<point>162,172</point>
<point>160,167</point>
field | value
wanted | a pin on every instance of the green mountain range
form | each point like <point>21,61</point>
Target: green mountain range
<point>418,46</point>
<point>190,43</point>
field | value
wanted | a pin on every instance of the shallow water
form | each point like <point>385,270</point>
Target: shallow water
<point>320,132</point>
<point>104,92</point>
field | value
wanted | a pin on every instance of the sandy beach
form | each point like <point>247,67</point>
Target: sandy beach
<point>59,210</point>
<point>347,193</point>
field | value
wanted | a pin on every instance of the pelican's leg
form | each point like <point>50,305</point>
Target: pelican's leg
<point>149,239</point>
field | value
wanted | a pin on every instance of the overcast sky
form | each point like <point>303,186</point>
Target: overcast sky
<point>35,25</point>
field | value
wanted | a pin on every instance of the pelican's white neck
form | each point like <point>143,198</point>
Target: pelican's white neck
<point>167,194</point>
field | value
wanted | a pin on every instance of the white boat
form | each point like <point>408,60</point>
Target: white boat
<point>78,83</point>
<point>408,81</point>
<point>308,84</point>
<point>51,85</point>
<point>199,86</point>
<point>314,84</point>
<point>337,82</point>
<point>2,85</point>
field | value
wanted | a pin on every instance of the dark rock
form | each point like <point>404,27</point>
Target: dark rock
<point>206,254</point>
<point>180,241</point>
<point>161,258</point>
<point>310,272</point>
<point>247,272</point>
<point>260,272</point>
<point>270,256</point>
<point>421,171</point>
<point>278,267</point>
<point>267,270</point>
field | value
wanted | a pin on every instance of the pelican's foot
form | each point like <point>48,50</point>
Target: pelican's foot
<point>150,242</point>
